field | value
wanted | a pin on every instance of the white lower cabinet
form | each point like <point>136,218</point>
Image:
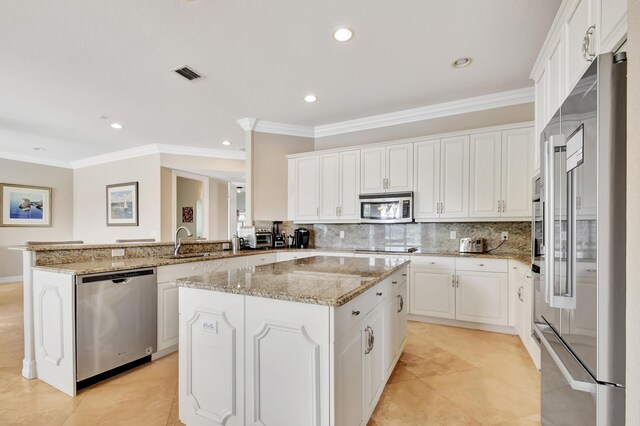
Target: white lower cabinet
<point>248,360</point>
<point>463,289</point>
<point>167,316</point>
<point>433,293</point>
<point>482,297</point>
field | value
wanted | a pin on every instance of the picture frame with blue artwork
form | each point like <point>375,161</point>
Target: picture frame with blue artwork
<point>122,204</point>
<point>25,205</point>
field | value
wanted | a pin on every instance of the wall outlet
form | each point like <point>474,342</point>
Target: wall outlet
<point>341,234</point>
<point>505,235</point>
<point>117,252</point>
<point>453,235</point>
<point>210,326</point>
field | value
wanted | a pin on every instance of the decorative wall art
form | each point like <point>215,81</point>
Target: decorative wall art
<point>122,204</point>
<point>187,215</point>
<point>24,205</point>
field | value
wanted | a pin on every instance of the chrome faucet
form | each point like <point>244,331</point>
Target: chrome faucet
<point>178,243</point>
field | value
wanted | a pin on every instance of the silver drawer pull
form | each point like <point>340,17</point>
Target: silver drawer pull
<point>378,293</point>
<point>404,275</point>
<point>394,282</point>
<point>481,264</point>
<point>432,263</point>
<point>356,313</point>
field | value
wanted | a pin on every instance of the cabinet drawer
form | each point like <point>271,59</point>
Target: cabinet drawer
<point>348,315</point>
<point>434,262</point>
<point>482,265</point>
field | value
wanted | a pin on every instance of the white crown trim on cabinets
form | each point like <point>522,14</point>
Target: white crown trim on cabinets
<point>461,106</point>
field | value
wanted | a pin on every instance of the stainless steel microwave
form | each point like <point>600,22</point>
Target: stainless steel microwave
<point>386,208</point>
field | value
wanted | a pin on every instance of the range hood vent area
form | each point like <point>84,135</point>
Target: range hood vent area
<point>188,73</point>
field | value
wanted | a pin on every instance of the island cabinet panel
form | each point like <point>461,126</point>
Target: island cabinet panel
<point>400,323</point>
<point>54,329</point>
<point>374,376</point>
<point>348,373</point>
<point>287,362</point>
<point>211,383</point>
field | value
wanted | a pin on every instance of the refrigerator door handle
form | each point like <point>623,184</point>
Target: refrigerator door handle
<point>548,214</point>
<point>567,295</point>
<point>578,385</point>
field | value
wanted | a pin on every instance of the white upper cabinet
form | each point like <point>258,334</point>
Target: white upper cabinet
<point>486,161</point>
<point>611,17</point>
<point>541,118</point>
<point>399,167</point>
<point>387,169</point>
<point>307,185</point>
<point>554,79</point>
<point>516,173</point>
<point>427,180</point>
<point>348,207</point>
<point>329,185</point>
<point>575,62</point>
<point>454,177</point>
<point>373,169</point>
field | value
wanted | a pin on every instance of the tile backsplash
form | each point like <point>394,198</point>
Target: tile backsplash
<point>430,237</point>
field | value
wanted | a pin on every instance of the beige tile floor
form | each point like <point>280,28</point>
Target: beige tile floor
<point>446,376</point>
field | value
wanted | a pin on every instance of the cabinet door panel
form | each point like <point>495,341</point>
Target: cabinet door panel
<point>482,297</point>
<point>516,172</point>
<point>541,118</point>
<point>484,180</point>
<point>574,62</point>
<point>400,167</point>
<point>402,304</point>
<point>454,184</point>
<point>554,78</point>
<point>427,179</point>
<point>329,186</point>
<point>349,396</point>
<point>307,188</point>
<point>372,170</point>
<point>374,360</point>
<point>612,23</point>
<point>432,293</point>
<point>167,315</point>
<point>349,185</point>
<point>390,321</point>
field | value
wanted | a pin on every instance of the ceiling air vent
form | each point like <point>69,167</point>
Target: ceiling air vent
<point>188,73</point>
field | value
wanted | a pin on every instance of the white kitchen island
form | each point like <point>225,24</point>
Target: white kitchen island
<point>303,342</point>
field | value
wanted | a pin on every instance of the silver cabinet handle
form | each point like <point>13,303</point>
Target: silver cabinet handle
<point>457,280</point>
<point>370,340</point>
<point>587,54</point>
<point>453,281</point>
<point>394,282</point>
<point>378,293</point>
<point>355,313</point>
<point>520,294</point>
<point>498,206</point>
<point>432,263</point>
<point>337,211</point>
<point>404,275</point>
<point>401,303</point>
<point>480,264</point>
<point>317,211</point>
<point>503,206</point>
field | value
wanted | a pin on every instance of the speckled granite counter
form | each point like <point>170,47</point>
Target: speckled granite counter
<point>120,264</point>
<point>321,280</point>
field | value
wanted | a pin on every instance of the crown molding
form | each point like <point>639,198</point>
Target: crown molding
<point>247,124</point>
<point>461,106</point>
<point>201,152</point>
<point>478,103</point>
<point>35,160</point>
<point>284,129</point>
<point>124,154</point>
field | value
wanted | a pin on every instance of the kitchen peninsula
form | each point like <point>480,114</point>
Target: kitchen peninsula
<point>306,341</point>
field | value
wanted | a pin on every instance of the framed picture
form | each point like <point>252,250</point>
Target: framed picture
<point>22,205</point>
<point>187,215</point>
<point>122,204</point>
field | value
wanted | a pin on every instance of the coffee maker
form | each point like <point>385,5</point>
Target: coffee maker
<point>278,235</point>
<point>301,238</point>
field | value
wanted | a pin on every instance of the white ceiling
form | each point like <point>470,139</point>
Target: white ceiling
<point>63,64</point>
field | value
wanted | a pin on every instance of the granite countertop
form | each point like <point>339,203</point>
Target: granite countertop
<point>54,247</point>
<point>121,264</point>
<point>320,280</point>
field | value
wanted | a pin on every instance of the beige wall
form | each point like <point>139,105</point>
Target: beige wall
<point>188,192</point>
<point>269,172</point>
<point>89,199</point>
<point>633,207</point>
<point>166,204</point>
<point>472,120</point>
<point>60,180</point>
<point>218,209</point>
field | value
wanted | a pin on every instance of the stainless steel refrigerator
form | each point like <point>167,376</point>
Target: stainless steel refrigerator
<point>579,237</point>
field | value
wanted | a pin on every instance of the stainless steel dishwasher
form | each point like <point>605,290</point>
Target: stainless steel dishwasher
<point>116,322</point>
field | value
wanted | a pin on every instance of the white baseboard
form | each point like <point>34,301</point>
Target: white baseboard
<point>164,352</point>
<point>14,279</point>
<point>464,324</point>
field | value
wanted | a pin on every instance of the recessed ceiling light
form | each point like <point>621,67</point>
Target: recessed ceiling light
<point>227,143</point>
<point>117,125</point>
<point>310,98</point>
<point>461,63</point>
<point>342,34</point>
<point>39,148</point>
